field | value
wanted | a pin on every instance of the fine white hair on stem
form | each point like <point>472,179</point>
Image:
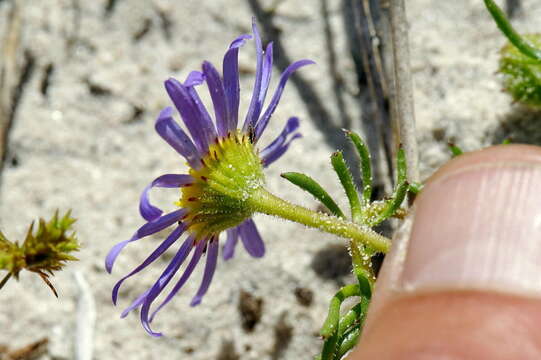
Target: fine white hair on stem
<point>403,99</point>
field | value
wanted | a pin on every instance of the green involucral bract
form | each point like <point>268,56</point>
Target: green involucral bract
<point>218,198</point>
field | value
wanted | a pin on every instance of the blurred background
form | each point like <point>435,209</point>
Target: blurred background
<point>81,83</point>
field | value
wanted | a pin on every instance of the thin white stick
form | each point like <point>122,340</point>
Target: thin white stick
<point>86,319</point>
<point>405,113</point>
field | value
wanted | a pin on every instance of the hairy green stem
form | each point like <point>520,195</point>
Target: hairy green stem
<point>264,202</point>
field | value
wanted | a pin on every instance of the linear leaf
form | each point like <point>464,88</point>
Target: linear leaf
<point>507,29</point>
<point>348,341</point>
<point>366,167</point>
<point>401,189</point>
<point>339,165</point>
<point>330,326</point>
<point>310,185</point>
<point>455,150</point>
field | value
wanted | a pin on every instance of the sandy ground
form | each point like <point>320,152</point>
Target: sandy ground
<point>83,138</point>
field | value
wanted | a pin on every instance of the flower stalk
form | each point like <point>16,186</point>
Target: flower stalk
<point>264,202</point>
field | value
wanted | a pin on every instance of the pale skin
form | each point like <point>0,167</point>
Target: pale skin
<point>464,282</point>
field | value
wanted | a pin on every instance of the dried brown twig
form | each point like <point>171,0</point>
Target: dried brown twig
<point>28,352</point>
<point>10,48</point>
<point>403,95</point>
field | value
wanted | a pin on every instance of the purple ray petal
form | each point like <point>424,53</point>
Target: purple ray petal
<point>166,244</point>
<point>230,243</point>
<point>231,80</point>
<point>253,108</point>
<point>265,80</point>
<point>150,212</point>
<point>197,122</point>
<point>187,272</point>
<point>279,146</point>
<point>263,122</point>
<point>135,304</point>
<point>185,248</point>
<point>171,132</point>
<point>276,154</point>
<point>206,121</point>
<point>251,239</point>
<point>291,126</point>
<point>149,228</point>
<point>194,78</point>
<point>210,268</point>
<point>266,73</point>
<point>162,282</point>
<point>217,94</point>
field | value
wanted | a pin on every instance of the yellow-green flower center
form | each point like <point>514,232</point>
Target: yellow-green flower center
<point>218,199</point>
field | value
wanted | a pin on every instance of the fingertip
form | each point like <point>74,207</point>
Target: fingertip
<point>454,325</point>
<point>462,278</point>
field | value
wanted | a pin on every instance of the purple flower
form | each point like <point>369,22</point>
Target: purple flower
<point>225,168</point>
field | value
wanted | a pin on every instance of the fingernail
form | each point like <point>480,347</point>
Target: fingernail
<point>477,227</point>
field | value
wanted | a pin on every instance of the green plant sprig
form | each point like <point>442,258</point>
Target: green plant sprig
<point>42,253</point>
<point>522,44</point>
<point>520,60</point>
<point>340,334</point>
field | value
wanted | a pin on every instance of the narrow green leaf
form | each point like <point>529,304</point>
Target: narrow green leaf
<point>352,321</point>
<point>401,166</point>
<point>455,150</point>
<point>364,279</point>
<point>349,340</point>
<point>366,166</point>
<point>401,189</point>
<point>520,43</point>
<point>415,188</point>
<point>355,315</point>
<point>339,165</point>
<point>4,242</point>
<point>329,348</point>
<point>330,326</point>
<point>310,185</point>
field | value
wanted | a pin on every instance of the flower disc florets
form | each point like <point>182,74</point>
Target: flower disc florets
<point>218,199</point>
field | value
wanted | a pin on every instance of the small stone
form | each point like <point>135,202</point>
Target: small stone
<point>332,262</point>
<point>251,309</point>
<point>304,296</point>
